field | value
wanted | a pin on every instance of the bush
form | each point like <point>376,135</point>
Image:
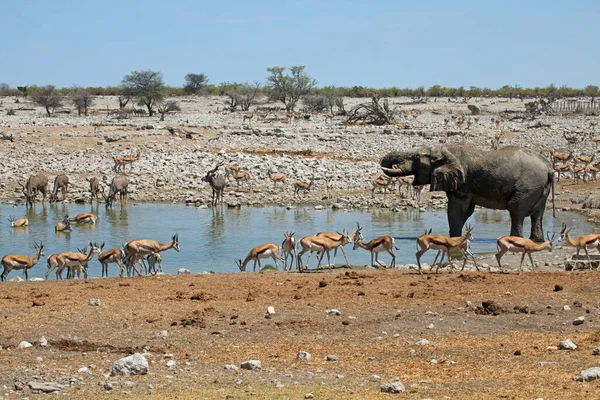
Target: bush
<point>10,111</point>
<point>315,103</point>
<point>474,109</point>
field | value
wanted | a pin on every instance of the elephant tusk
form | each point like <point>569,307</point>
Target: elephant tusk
<point>393,171</point>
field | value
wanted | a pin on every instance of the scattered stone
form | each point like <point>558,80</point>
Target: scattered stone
<point>566,308</point>
<point>135,364</point>
<point>567,345</point>
<point>430,326</point>
<point>251,365</point>
<point>333,311</point>
<point>544,363</point>
<point>43,341</point>
<point>45,387</point>
<point>508,294</point>
<point>128,384</point>
<point>331,357</point>
<point>558,288</point>
<point>433,361</point>
<point>303,356</point>
<point>422,342</point>
<point>171,364</point>
<point>16,279</point>
<point>126,325</point>
<point>309,396</point>
<point>590,374</point>
<point>183,271</point>
<point>24,345</point>
<point>94,302</point>
<point>517,353</point>
<point>579,321</point>
<point>230,367</point>
<point>270,310</point>
<point>84,370</point>
<point>596,351</point>
<point>488,307</point>
<point>374,378</point>
<point>339,376</point>
<point>394,387</point>
<point>322,284</point>
<point>162,334</point>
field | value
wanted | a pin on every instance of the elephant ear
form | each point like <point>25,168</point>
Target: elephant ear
<point>448,174</point>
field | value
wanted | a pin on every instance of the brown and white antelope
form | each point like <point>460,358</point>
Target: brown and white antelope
<point>584,242</point>
<point>256,253</point>
<point>60,182</point>
<point>277,177</point>
<point>154,263</point>
<point>17,262</point>
<point>247,117</point>
<point>72,261</point>
<point>329,187</point>
<point>240,177</point>
<point>585,160</point>
<point>517,244</point>
<point>562,169</point>
<point>561,158</point>
<point>136,250</point>
<point>321,245</point>
<point>337,238</point>
<point>288,248</point>
<point>110,256</point>
<point>90,218</point>
<point>380,184</point>
<point>230,169</point>
<point>376,246</point>
<point>441,242</point>
<point>64,225</point>
<point>303,186</point>
<point>18,223</point>
<point>121,162</point>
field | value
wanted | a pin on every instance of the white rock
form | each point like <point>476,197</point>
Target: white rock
<point>270,310</point>
<point>433,361</point>
<point>374,378</point>
<point>596,351</point>
<point>162,334</point>
<point>567,345</point>
<point>16,279</point>
<point>566,308</point>
<point>24,345</point>
<point>183,271</point>
<point>36,279</point>
<point>590,374</point>
<point>333,311</point>
<point>230,367</point>
<point>430,326</point>
<point>94,302</point>
<point>309,396</point>
<point>394,387</point>
<point>84,370</point>
<point>135,364</point>
<point>43,341</point>
<point>579,321</point>
<point>422,342</point>
<point>171,364</point>
<point>303,356</point>
<point>45,387</point>
<point>251,365</point>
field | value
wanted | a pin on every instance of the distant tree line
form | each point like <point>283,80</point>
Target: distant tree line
<point>284,85</point>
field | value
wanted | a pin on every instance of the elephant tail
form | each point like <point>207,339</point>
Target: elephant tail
<point>553,204</point>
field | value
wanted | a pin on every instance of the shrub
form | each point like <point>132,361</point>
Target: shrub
<point>474,109</point>
<point>10,111</point>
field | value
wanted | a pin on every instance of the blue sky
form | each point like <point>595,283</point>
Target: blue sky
<point>486,43</point>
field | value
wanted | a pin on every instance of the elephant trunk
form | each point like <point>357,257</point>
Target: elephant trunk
<point>394,164</point>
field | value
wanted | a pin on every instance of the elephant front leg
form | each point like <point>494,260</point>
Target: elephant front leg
<point>537,222</point>
<point>516,223</point>
<point>459,211</point>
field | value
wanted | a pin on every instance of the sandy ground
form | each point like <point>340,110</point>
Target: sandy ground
<point>204,322</point>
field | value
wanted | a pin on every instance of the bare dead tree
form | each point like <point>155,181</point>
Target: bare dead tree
<point>374,113</point>
<point>217,181</point>
<point>164,107</point>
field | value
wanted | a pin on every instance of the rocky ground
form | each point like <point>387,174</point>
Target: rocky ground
<point>191,329</point>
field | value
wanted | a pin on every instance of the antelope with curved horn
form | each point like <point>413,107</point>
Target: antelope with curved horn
<point>217,182</point>
<point>337,238</point>
<point>256,253</point>
<point>376,246</point>
<point>288,248</point>
<point>584,242</point>
<point>517,244</point>
<point>304,187</point>
<point>17,262</point>
<point>110,256</point>
<point>441,242</point>
<point>90,218</point>
<point>121,162</point>
<point>18,223</point>
<point>77,261</point>
<point>276,177</point>
<point>240,176</point>
<point>154,260</point>
<point>64,225</point>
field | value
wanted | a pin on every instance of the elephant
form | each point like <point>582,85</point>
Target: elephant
<point>510,178</point>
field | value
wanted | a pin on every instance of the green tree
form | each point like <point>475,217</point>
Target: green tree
<point>592,91</point>
<point>289,88</point>
<point>146,86</point>
<point>194,83</point>
<point>47,97</point>
<point>82,99</point>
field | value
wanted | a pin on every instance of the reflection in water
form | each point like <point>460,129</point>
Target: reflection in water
<point>210,239</point>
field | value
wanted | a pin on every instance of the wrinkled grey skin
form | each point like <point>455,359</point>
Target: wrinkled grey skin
<point>510,178</point>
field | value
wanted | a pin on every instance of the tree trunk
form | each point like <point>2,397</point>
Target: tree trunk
<point>150,110</point>
<point>48,111</point>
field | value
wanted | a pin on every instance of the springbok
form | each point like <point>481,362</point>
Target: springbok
<point>115,255</point>
<point>517,244</point>
<point>276,177</point>
<point>440,242</point>
<point>229,170</point>
<point>380,183</point>
<point>16,261</point>
<point>337,237</point>
<point>76,261</point>
<point>288,248</point>
<point>154,260</point>
<point>240,176</point>
<point>64,225</point>
<point>256,253</point>
<point>376,246</point>
<point>18,223</point>
<point>121,162</point>
<point>321,245</point>
<point>136,250</point>
<point>584,242</point>
<point>60,182</point>
<point>90,218</point>
<point>329,187</point>
<point>302,186</point>
<point>247,117</point>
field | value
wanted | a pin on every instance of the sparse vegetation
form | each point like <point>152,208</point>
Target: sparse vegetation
<point>474,109</point>
<point>194,83</point>
<point>146,86</point>
<point>10,111</point>
<point>376,112</point>
<point>82,99</point>
<point>289,88</point>
<point>164,107</point>
<point>47,97</point>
